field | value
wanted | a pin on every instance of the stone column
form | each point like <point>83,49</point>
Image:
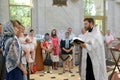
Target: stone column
<point>117,19</point>
<point>4,11</point>
<point>110,15</point>
<point>113,17</point>
<point>38,16</point>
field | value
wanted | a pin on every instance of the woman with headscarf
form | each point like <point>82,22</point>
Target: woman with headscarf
<point>47,48</point>
<point>66,52</point>
<point>12,51</point>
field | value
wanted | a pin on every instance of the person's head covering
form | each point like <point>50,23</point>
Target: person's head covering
<point>67,44</point>
<point>8,29</point>
<point>8,33</point>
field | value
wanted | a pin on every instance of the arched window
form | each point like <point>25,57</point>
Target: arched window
<point>21,10</point>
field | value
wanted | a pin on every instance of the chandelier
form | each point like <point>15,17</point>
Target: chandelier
<point>60,2</point>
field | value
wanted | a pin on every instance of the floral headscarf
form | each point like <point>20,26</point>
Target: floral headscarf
<point>8,34</point>
<point>11,48</point>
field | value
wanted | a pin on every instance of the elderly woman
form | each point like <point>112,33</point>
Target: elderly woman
<point>12,51</point>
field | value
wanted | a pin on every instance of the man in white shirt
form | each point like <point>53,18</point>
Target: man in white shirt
<point>83,31</point>
<point>72,35</point>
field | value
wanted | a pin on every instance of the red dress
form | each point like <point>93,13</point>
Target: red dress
<point>55,42</point>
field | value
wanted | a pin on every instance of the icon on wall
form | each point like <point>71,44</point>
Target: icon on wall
<point>60,2</point>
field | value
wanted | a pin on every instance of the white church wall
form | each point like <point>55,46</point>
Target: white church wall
<point>45,16</point>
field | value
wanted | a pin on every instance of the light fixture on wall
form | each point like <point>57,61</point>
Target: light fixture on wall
<point>60,2</point>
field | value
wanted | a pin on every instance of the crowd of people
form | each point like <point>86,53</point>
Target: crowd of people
<point>17,49</point>
<point>58,49</point>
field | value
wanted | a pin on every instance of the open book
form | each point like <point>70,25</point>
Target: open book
<point>76,41</point>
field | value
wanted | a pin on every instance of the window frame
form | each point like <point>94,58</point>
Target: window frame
<point>99,17</point>
<point>16,5</point>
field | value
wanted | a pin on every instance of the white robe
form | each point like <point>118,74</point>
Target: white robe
<point>95,49</point>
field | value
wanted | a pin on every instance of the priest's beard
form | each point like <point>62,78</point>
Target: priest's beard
<point>89,29</point>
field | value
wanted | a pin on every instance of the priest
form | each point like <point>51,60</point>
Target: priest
<point>93,66</point>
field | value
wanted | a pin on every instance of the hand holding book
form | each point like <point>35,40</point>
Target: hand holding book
<point>78,41</point>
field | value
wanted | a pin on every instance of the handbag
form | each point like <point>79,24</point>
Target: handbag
<point>69,57</point>
<point>34,69</point>
<point>48,61</point>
